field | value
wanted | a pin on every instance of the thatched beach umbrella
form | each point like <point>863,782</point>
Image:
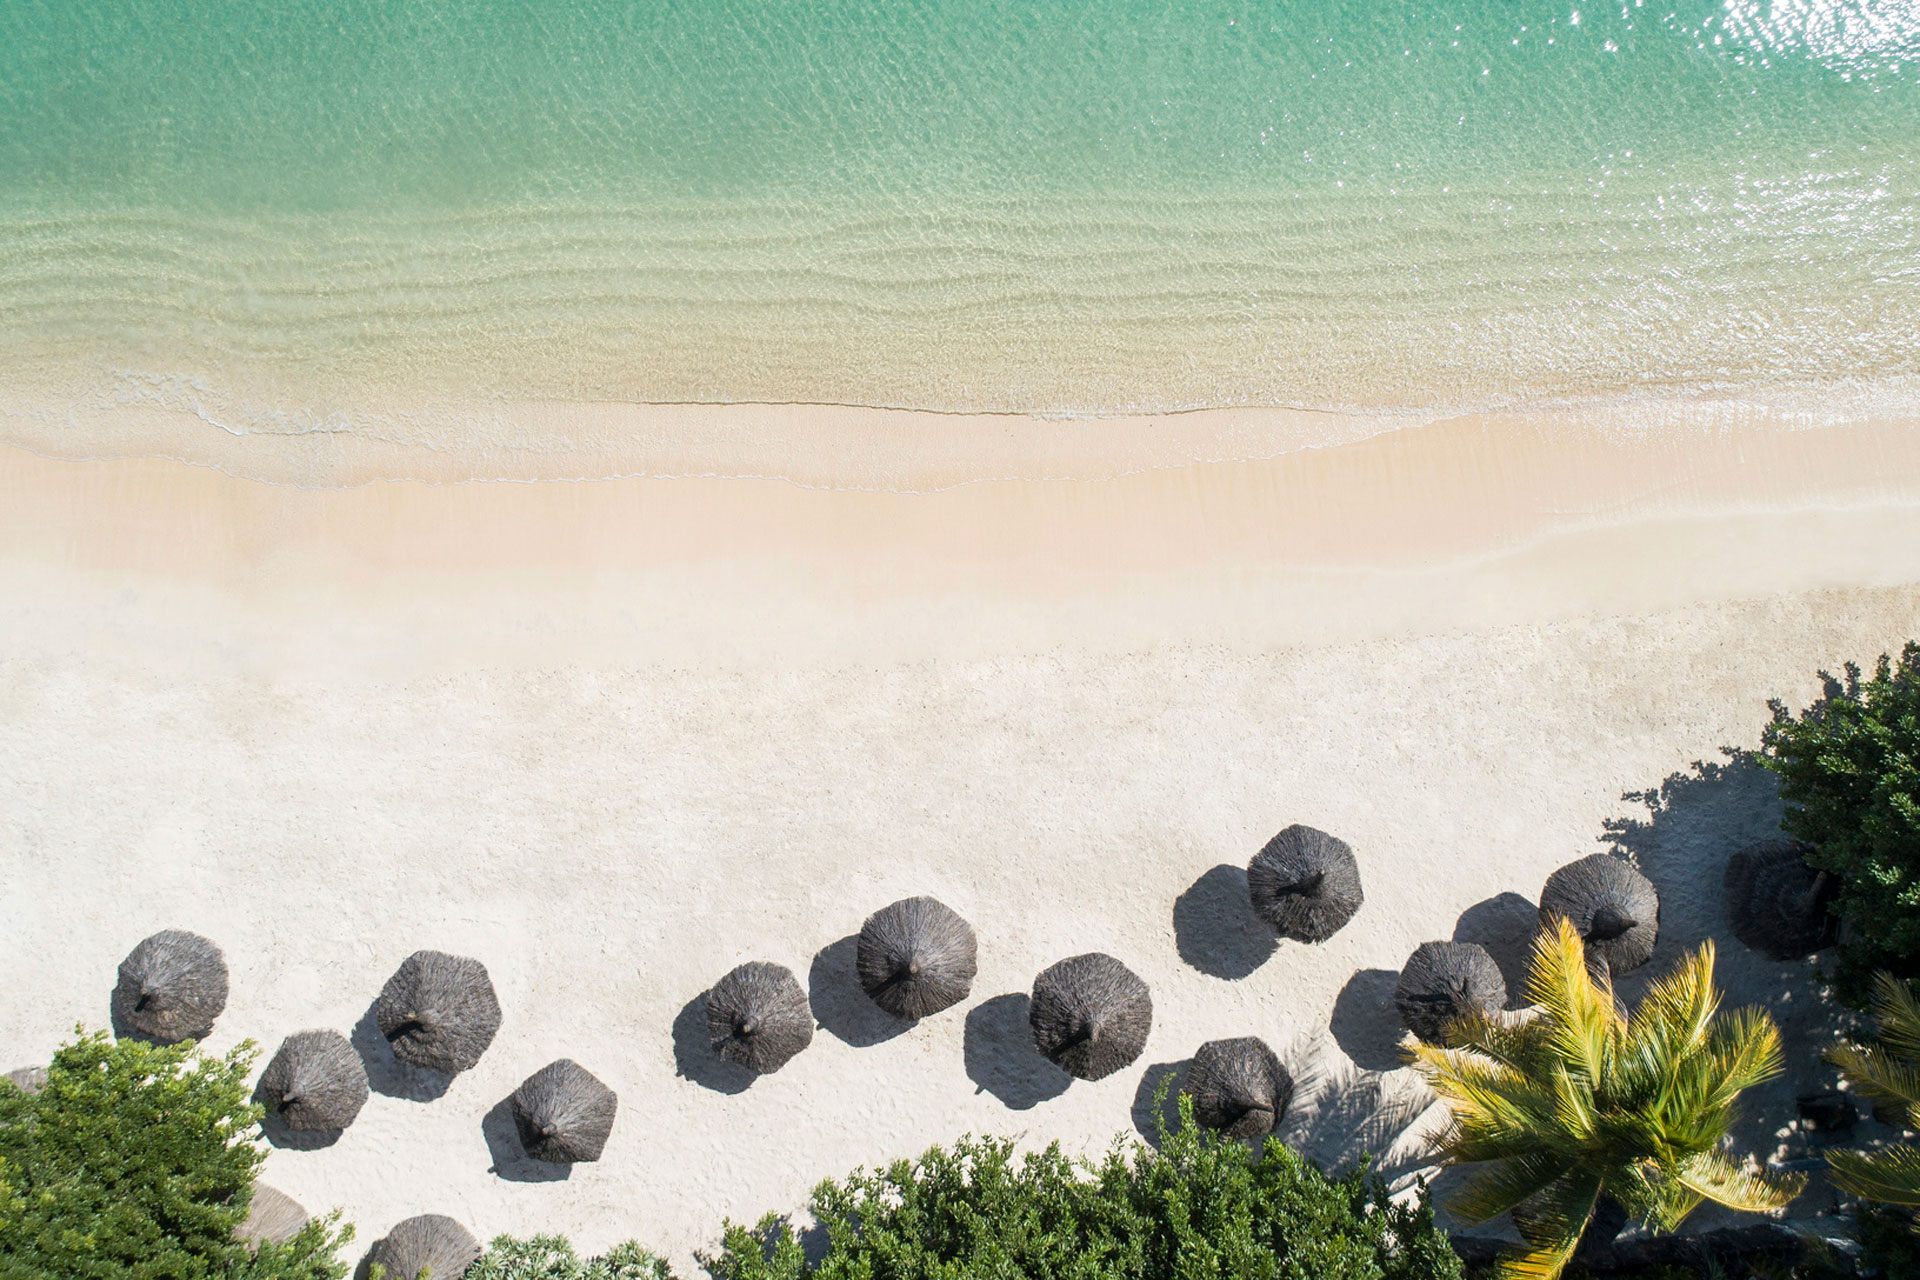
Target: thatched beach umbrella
<point>1305,884</point>
<point>1776,903</point>
<point>1090,1014</point>
<point>273,1217</point>
<point>916,958</point>
<point>28,1079</point>
<point>172,986</point>
<point>1238,1087</point>
<point>1442,981</point>
<point>564,1113</point>
<point>439,1011</point>
<point>758,1016</point>
<point>432,1242</point>
<point>315,1082</point>
<point>1612,907</point>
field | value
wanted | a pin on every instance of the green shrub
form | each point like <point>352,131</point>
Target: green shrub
<point>135,1163</point>
<point>552,1258</point>
<point>1198,1209</point>
<point>1849,769</point>
<point>1889,1243</point>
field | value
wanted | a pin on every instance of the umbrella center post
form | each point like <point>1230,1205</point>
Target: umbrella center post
<point>1308,887</point>
<point>1610,922</point>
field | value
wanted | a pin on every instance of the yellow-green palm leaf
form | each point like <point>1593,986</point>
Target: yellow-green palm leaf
<point>1579,1102</point>
<point>1886,1072</point>
<point>1552,1223</point>
<point>1890,1177</point>
<point>1712,1175</point>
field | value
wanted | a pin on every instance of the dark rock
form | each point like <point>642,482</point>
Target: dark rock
<point>1829,1111</point>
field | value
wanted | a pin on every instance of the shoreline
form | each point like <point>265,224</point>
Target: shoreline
<point>1460,524</point>
<point>437,438</point>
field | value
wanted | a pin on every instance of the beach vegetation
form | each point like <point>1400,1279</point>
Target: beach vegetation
<point>1849,770</point>
<point>1888,1074</point>
<point>1566,1112</point>
<point>136,1161</point>
<point>1197,1207</point>
<point>554,1258</point>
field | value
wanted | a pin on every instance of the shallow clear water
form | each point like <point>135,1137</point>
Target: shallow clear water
<point>1051,205</point>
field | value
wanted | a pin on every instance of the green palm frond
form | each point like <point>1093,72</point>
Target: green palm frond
<point>1678,1010</point>
<point>1552,1224</point>
<point>1890,1177</point>
<point>1742,1051</point>
<point>1573,1106</point>
<point>1713,1175</point>
<point>1539,1263</point>
<point>1581,1100</point>
<point>1885,1072</point>
<point>1577,1010</point>
<point>1878,1074</point>
<point>1500,1186</point>
<point>1890,1070</point>
<point>1898,1014</point>
<point>1513,1040</point>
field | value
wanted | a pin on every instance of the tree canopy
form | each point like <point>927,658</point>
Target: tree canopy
<point>136,1162</point>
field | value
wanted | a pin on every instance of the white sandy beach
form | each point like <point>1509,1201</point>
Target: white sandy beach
<point>616,737</point>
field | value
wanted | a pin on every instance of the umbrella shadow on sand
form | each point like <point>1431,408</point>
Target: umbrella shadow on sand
<point>693,1055</point>
<point>510,1158</point>
<point>840,1005</point>
<point>388,1075</point>
<point>1365,1023</point>
<point>1001,1058</point>
<point>1215,929</point>
<point>1156,1103</point>
<point>1505,925</point>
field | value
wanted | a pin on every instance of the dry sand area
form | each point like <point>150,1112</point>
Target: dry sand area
<point>615,738</point>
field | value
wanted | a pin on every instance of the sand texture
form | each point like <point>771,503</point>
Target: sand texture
<point>614,740</point>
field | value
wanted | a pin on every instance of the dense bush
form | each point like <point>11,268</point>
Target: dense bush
<point>134,1162</point>
<point>1198,1209</point>
<point>1849,769</point>
<point>1889,1243</point>
<point>552,1258</point>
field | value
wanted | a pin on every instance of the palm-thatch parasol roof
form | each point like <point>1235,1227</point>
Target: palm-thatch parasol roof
<point>172,986</point>
<point>758,1016</point>
<point>439,1011</point>
<point>28,1079</point>
<point>1776,903</point>
<point>273,1217</point>
<point>1238,1087</point>
<point>432,1242</point>
<point>1090,1014</point>
<point>564,1113</point>
<point>916,958</point>
<point>1612,907</point>
<point>1305,884</point>
<point>315,1081</point>
<point>1442,981</point>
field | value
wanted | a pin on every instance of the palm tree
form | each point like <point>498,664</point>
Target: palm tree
<point>1888,1072</point>
<point>1576,1103</point>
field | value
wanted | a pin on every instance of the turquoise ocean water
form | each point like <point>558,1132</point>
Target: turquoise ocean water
<point>1043,205</point>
